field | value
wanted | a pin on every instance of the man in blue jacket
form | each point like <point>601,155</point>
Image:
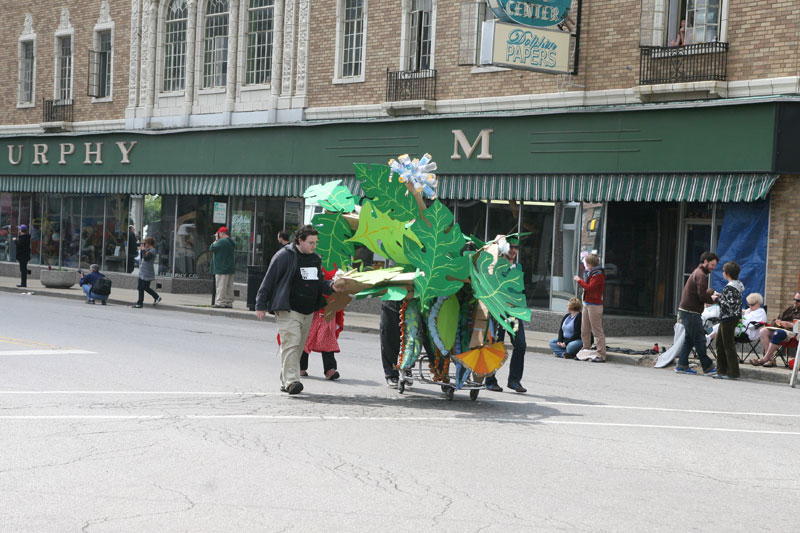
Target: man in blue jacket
<point>87,284</point>
<point>292,290</point>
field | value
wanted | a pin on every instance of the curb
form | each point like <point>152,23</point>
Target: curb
<point>747,371</point>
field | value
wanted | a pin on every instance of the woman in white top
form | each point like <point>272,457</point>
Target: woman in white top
<point>753,313</point>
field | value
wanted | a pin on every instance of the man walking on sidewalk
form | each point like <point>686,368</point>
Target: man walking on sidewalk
<point>695,294</point>
<point>222,266</point>
<point>23,242</point>
<point>293,289</point>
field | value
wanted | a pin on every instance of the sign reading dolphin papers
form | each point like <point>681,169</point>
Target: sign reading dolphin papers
<point>511,45</point>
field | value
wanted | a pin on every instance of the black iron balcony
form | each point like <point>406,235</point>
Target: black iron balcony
<point>679,64</point>
<point>56,110</point>
<point>410,85</point>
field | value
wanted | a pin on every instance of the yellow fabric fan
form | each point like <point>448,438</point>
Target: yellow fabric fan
<point>485,360</point>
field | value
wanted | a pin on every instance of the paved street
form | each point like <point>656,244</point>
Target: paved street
<point>117,419</point>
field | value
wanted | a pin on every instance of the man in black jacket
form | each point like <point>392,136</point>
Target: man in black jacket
<point>292,290</point>
<point>23,242</point>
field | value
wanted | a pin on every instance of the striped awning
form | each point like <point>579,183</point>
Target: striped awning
<point>609,187</point>
<point>543,188</point>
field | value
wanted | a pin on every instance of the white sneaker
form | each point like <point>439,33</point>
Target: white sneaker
<point>708,340</point>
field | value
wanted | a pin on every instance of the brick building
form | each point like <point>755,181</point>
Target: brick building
<point>664,130</point>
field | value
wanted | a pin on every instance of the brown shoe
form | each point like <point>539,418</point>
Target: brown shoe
<point>756,362</point>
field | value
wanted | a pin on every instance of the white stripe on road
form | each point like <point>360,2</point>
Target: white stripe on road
<point>45,352</point>
<point>391,419</point>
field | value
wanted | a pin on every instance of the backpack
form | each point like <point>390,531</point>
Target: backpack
<point>102,286</point>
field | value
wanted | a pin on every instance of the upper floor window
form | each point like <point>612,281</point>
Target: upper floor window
<point>100,66</point>
<point>26,70</point>
<point>694,21</point>
<point>473,15</point>
<point>63,85</point>
<point>351,39</point>
<point>175,45</point>
<point>420,36</point>
<point>215,57</point>
<point>260,28</point>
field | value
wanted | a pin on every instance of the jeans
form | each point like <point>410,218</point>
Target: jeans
<point>517,364</point>
<point>695,338</point>
<point>571,349</point>
<point>87,290</point>
<point>144,287</point>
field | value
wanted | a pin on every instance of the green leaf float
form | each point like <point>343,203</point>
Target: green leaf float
<point>447,322</point>
<point>412,324</point>
<point>331,196</point>
<point>382,234</point>
<point>439,257</point>
<point>501,290</point>
<point>333,245</point>
<point>387,194</point>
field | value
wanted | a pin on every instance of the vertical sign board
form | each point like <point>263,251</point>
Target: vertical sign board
<point>515,46</point>
<point>220,212</point>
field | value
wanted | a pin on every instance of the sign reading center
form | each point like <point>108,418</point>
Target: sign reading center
<point>511,45</point>
<point>537,13</point>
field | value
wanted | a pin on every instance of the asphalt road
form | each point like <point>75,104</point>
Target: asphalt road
<point>118,419</point>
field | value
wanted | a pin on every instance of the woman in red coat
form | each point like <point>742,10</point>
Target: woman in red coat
<point>593,310</point>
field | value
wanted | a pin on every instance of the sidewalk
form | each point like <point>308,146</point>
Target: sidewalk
<point>538,341</point>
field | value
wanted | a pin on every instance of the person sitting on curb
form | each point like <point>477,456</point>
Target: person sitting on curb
<point>90,280</point>
<point>772,338</point>
<point>569,340</point>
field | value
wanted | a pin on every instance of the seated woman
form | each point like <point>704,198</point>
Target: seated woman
<point>753,313</point>
<point>569,341</point>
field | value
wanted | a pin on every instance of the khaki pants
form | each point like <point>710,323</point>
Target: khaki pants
<point>592,322</point>
<point>224,290</point>
<point>293,328</point>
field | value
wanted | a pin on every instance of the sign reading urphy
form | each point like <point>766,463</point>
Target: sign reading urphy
<point>516,39</point>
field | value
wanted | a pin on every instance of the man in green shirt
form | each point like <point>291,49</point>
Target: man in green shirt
<point>222,266</point>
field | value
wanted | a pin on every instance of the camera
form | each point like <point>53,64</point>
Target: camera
<point>80,271</point>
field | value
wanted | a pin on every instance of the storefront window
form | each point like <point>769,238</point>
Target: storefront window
<point>51,230</point>
<point>242,223</point>
<point>503,218</point>
<point>7,225</point>
<point>565,254</point>
<point>293,215</point>
<point>92,232</point>
<point>159,223</point>
<point>535,251</point>
<point>269,221</point>
<point>471,218</point>
<point>194,236</point>
<point>116,234</point>
<point>71,231</point>
<point>36,229</point>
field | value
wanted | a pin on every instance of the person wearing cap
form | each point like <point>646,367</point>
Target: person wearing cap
<point>517,364</point>
<point>23,243</point>
<point>222,266</point>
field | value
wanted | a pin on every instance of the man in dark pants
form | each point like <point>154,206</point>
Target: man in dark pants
<point>695,294</point>
<point>390,340</point>
<point>517,364</point>
<point>23,242</point>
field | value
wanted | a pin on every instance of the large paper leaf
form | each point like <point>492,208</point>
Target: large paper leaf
<point>386,192</point>
<point>500,288</point>
<point>439,257</point>
<point>447,322</point>
<point>382,234</point>
<point>333,245</point>
<point>331,196</point>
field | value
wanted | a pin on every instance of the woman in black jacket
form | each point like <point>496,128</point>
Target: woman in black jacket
<point>23,242</point>
<point>569,340</point>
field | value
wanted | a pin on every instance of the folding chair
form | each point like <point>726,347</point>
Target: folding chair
<point>787,349</point>
<point>745,344</point>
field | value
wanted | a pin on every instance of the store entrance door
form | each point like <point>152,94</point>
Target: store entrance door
<point>697,237</point>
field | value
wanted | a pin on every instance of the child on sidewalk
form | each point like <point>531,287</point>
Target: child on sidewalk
<point>730,311</point>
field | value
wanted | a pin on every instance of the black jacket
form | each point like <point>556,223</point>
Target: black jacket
<point>274,293</point>
<point>23,247</point>
<point>576,334</point>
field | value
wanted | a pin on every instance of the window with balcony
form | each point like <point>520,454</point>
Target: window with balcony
<point>27,61</point>
<point>63,85</point>
<point>175,46</point>
<point>350,40</point>
<point>694,21</point>
<point>260,31</point>
<point>215,55</point>
<point>420,36</point>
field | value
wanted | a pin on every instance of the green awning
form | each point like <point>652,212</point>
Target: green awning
<point>609,187</point>
<point>542,188</point>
